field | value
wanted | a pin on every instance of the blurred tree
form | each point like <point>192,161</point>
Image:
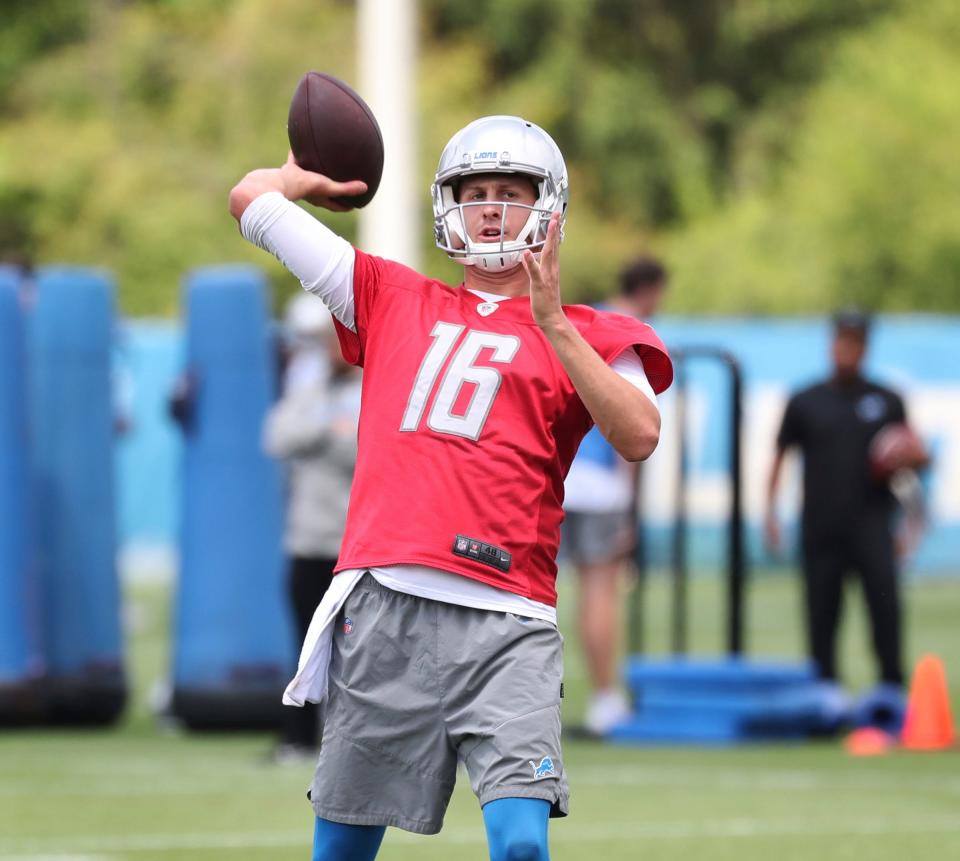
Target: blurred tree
<point>864,208</point>
<point>783,155</point>
<point>32,28</point>
<point>127,141</point>
<point>18,208</point>
<point>655,92</point>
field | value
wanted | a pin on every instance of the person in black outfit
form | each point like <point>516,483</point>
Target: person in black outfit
<point>848,513</point>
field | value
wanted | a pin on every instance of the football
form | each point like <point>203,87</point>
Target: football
<point>894,447</point>
<point>332,131</point>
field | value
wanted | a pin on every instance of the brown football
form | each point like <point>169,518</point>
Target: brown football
<point>893,447</point>
<point>332,131</point>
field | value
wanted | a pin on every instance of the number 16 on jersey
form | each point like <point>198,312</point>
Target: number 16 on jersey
<point>461,370</point>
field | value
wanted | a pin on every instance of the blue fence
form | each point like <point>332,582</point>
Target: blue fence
<point>918,355</point>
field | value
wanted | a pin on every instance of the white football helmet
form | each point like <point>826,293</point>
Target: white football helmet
<point>499,144</point>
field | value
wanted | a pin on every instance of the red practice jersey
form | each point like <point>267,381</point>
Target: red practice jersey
<point>468,425</point>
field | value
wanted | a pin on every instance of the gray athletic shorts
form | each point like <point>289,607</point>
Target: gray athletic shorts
<point>589,537</point>
<point>416,685</point>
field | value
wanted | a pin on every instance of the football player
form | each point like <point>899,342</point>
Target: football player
<point>437,640</point>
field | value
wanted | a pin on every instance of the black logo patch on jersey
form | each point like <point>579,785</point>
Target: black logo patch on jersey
<point>486,554</point>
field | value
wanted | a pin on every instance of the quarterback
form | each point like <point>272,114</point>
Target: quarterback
<point>437,641</point>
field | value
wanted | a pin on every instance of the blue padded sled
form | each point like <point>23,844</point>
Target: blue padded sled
<point>20,662</point>
<point>233,638</point>
<point>71,334</point>
<point>721,701</point>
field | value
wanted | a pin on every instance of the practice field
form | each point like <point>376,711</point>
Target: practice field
<point>143,793</point>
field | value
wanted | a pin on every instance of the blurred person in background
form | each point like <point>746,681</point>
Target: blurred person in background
<point>599,532</point>
<point>312,428</point>
<point>848,517</point>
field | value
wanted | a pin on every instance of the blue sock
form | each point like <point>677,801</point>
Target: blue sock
<point>517,829</point>
<point>334,841</point>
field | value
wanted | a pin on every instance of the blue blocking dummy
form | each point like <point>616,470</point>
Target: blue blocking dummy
<point>71,334</point>
<point>20,662</point>
<point>233,642</point>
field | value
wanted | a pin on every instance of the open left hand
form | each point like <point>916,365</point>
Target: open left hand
<point>545,278</point>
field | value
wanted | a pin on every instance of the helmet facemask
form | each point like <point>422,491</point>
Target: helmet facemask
<point>495,256</point>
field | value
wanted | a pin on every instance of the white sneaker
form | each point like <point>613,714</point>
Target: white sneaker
<point>834,705</point>
<point>605,710</point>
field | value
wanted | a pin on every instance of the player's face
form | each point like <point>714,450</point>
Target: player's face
<point>488,220</point>
<point>648,300</point>
<point>848,350</point>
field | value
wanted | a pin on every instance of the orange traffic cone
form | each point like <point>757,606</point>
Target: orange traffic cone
<point>929,723</point>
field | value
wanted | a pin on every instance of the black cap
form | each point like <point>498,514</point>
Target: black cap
<point>852,320</point>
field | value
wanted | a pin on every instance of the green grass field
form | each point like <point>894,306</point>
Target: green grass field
<point>142,792</point>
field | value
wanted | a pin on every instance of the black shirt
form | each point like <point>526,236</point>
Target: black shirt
<point>834,423</point>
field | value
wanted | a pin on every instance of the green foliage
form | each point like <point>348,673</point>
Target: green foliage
<point>863,209</point>
<point>143,792</point>
<point>783,156</point>
<point>32,28</point>
<point>653,95</point>
<point>128,142</point>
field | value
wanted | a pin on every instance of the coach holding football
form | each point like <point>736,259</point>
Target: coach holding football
<point>848,509</point>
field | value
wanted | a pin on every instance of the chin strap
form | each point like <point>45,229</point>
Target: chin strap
<point>494,261</point>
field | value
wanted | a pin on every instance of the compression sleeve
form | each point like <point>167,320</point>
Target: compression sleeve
<point>630,366</point>
<point>321,260</point>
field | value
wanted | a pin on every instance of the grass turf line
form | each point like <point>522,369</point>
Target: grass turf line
<point>140,793</point>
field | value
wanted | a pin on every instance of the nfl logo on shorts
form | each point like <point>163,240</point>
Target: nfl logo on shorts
<point>347,624</point>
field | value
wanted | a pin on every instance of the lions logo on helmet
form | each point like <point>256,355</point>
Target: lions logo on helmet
<point>499,144</point>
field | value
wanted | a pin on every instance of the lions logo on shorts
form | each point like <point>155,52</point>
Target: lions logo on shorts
<point>544,769</point>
